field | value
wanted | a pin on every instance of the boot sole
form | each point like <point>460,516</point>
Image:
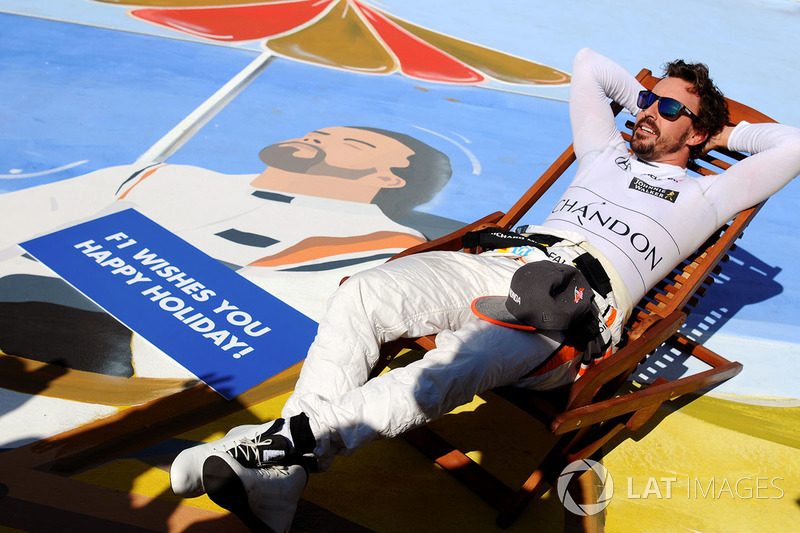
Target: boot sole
<point>225,489</point>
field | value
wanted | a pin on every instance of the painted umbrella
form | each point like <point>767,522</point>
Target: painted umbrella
<point>345,34</point>
<point>349,34</point>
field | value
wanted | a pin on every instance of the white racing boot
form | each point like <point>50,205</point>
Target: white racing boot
<point>185,474</point>
<point>264,498</point>
<point>251,445</point>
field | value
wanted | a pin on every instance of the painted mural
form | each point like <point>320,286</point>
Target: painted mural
<point>296,142</point>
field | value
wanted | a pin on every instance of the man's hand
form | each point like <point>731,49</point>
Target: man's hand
<point>720,140</point>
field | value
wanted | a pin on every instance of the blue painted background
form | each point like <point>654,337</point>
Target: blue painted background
<point>72,92</point>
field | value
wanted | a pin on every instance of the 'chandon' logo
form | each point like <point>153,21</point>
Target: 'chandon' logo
<point>591,213</point>
<point>658,192</point>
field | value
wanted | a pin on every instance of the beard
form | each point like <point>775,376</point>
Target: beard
<point>655,146</point>
<point>282,156</point>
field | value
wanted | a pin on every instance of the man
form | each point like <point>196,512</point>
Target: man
<point>635,215</point>
<point>361,172</point>
<point>324,203</point>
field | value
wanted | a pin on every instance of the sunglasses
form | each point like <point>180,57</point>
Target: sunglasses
<point>669,108</point>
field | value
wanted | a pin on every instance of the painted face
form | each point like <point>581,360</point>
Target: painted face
<point>659,140</point>
<point>341,152</point>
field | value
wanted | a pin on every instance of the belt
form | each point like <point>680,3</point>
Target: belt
<point>593,271</point>
<point>591,267</point>
<point>494,238</point>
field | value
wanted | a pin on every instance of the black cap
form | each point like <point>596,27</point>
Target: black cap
<point>543,295</point>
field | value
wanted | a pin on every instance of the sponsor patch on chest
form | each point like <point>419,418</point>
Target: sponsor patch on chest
<point>659,192</point>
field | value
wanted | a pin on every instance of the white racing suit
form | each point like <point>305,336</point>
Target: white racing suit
<point>414,296</point>
<point>642,218</point>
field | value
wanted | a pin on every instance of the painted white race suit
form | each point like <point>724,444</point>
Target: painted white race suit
<point>638,219</point>
<point>223,215</point>
<point>296,247</point>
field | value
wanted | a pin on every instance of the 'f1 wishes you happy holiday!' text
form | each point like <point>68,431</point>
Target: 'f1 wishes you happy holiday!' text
<point>175,291</point>
<point>218,324</point>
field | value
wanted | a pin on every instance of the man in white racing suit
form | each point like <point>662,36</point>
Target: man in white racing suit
<point>635,211</point>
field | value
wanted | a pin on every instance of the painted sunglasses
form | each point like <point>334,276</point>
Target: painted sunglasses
<point>669,108</point>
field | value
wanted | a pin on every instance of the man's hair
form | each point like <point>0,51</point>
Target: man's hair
<point>713,115</point>
<point>428,171</point>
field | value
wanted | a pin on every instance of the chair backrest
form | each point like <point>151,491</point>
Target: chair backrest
<point>664,308</point>
<point>666,305</point>
<point>686,282</point>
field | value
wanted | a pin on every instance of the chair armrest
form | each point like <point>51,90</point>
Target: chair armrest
<point>644,402</point>
<point>624,360</point>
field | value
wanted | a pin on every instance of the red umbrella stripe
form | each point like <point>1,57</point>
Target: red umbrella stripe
<point>240,23</point>
<point>417,58</point>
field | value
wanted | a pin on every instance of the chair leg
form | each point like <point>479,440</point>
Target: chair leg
<point>543,478</point>
<point>585,490</point>
<point>533,488</point>
<point>459,465</point>
<point>540,480</point>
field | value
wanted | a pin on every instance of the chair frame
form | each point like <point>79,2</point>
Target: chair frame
<point>586,415</point>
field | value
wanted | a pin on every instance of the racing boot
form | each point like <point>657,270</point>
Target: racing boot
<point>265,498</point>
<point>252,446</point>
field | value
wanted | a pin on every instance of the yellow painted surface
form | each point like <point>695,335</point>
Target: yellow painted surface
<point>256,414</point>
<point>736,467</point>
<point>135,476</point>
<point>391,487</point>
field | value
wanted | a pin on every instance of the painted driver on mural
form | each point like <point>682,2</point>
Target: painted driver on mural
<point>331,202</point>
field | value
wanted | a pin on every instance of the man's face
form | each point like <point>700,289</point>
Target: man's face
<point>338,152</point>
<point>657,139</point>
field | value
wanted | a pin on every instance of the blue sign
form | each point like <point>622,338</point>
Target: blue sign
<point>227,331</point>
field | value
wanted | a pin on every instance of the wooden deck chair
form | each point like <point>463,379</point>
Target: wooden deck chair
<point>589,413</point>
